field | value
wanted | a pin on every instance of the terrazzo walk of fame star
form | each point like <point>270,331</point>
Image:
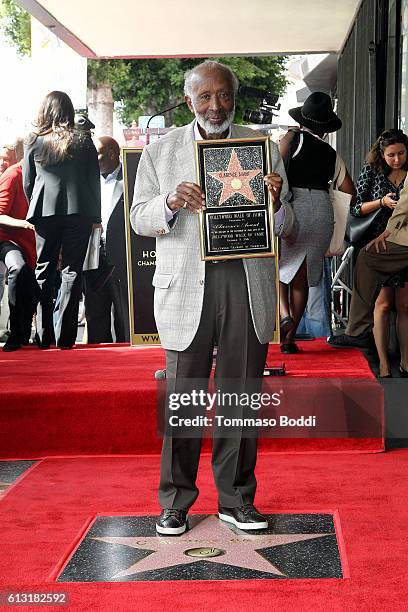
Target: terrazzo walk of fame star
<point>127,549</point>
<point>10,471</point>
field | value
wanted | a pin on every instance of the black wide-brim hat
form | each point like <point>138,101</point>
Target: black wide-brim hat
<point>317,113</point>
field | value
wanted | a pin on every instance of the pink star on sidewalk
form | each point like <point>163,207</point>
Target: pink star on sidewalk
<point>240,549</point>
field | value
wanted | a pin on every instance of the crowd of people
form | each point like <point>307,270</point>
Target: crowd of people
<point>67,186</point>
<point>50,202</point>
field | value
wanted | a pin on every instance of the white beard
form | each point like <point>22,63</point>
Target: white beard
<point>210,128</point>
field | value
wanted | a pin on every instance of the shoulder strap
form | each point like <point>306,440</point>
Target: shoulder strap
<point>293,148</point>
<point>300,144</point>
<point>339,172</point>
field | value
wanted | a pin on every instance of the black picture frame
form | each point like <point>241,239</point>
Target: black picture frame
<point>238,219</point>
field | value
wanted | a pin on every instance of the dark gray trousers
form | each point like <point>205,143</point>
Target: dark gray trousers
<point>226,322</point>
<point>65,237</point>
<point>22,291</point>
<point>101,295</point>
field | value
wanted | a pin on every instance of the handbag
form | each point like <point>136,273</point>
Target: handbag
<point>358,226</point>
<point>341,208</point>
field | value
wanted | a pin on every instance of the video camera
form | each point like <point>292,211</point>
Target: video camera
<point>81,121</point>
<point>268,104</point>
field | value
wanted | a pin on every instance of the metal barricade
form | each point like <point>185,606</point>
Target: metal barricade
<point>341,287</point>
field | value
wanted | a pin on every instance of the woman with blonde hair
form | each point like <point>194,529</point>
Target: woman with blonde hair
<point>61,181</point>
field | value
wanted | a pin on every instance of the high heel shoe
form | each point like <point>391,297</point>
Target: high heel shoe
<point>286,325</point>
<point>387,369</point>
<point>403,373</point>
<point>289,348</point>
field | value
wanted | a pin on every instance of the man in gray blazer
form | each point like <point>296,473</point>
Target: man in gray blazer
<point>197,304</point>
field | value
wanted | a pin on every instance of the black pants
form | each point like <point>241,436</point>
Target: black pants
<point>65,237</point>
<point>226,321</point>
<point>22,292</point>
<point>106,292</point>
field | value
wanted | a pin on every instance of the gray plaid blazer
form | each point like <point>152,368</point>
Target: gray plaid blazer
<point>180,274</point>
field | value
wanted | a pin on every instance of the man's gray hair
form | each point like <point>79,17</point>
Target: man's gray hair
<point>211,65</point>
<point>16,145</point>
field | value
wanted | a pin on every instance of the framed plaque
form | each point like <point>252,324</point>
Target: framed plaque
<point>238,219</point>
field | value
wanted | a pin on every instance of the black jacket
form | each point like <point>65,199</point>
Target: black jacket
<point>69,187</point>
<point>116,233</point>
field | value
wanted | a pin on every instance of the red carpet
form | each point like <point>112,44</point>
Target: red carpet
<point>43,515</point>
<point>102,400</point>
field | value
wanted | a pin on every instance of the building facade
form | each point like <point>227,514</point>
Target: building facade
<point>372,78</point>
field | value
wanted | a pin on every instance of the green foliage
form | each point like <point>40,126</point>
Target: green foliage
<point>145,86</point>
<point>16,25</point>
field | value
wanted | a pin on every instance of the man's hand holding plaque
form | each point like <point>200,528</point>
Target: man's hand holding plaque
<point>188,196</point>
<point>274,182</point>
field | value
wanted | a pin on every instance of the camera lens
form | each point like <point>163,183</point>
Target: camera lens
<point>258,116</point>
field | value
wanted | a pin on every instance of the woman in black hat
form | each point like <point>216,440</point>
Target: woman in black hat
<point>310,164</point>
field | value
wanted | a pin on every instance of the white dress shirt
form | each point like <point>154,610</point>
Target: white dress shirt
<point>107,205</point>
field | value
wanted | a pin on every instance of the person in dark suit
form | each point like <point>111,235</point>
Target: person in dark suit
<point>106,289</point>
<point>61,182</point>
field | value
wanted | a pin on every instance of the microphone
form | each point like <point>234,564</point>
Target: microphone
<point>165,110</point>
<point>268,371</point>
<point>275,370</point>
<point>160,374</point>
